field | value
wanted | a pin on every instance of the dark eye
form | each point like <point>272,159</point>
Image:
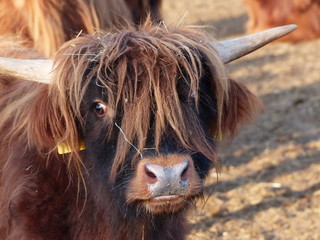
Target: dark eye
<point>100,109</point>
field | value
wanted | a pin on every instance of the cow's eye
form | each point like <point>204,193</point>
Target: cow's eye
<point>100,109</point>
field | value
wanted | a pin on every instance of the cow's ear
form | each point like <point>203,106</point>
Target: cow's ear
<point>239,108</point>
<point>47,124</point>
<point>52,122</point>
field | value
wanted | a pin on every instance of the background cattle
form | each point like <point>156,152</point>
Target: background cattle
<point>272,13</point>
<point>44,25</point>
<point>118,144</point>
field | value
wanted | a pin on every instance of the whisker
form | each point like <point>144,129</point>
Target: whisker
<point>119,185</point>
<point>126,139</point>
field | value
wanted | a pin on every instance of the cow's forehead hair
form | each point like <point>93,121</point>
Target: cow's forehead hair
<point>140,71</point>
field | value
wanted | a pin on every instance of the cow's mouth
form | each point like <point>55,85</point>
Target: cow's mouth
<point>166,198</point>
<point>165,204</point>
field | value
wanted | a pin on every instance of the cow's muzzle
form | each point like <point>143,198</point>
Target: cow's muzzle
<point>164,183</point>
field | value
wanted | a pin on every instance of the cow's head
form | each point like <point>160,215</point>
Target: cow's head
<point>149,106</point>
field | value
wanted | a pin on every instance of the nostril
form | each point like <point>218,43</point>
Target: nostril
<point>184,172</point>
<point>150,174</point>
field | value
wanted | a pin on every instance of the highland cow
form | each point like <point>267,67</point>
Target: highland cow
<point>272,13</point>
<point>116,140</point>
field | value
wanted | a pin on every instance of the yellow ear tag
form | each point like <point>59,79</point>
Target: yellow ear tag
<point>217,137</point>
<point>65,148</point>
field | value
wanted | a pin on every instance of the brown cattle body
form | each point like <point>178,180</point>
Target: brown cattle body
<point>45,25</point>
<point>264,14</point>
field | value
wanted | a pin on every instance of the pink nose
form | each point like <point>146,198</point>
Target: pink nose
<point>167,180</point>
<point>166,176</point>
<point>157,172</point>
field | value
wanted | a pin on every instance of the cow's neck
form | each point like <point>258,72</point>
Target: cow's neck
<point>109,221</point>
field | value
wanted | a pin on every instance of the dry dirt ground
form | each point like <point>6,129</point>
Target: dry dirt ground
<point>269,187</point>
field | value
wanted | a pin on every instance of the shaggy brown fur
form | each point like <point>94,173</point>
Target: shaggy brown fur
<point>165,87</point>
<point>45,25</point>
<point>272,13</point>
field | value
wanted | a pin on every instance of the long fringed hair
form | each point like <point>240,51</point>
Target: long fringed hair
<point>140,72</point>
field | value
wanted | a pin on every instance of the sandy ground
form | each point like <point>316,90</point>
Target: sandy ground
<point>269,187</point>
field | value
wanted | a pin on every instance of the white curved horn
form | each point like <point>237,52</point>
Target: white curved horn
<point>232,49</point>
<point>28,69</point>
